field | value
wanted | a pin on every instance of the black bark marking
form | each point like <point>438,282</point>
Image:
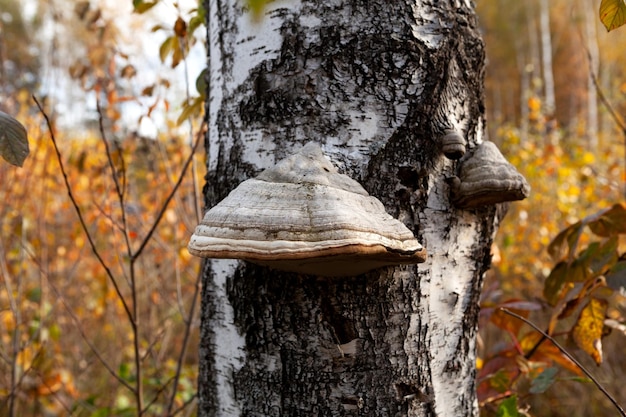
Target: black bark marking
<point>342,328</point>
<point>279,314</point>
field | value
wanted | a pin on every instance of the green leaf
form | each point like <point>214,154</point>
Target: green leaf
<point>197,20</point>
<point>543,381</point>
<point>55,332</point>
<point>125,372</point>
<point>611,222</point>
<point>500,381</point>
<point>570,235</point>
<point>201,82</point>
<point>34,295</point>
<point>554,286</point>
<point>190,109</point>
<point>593,261</point>
<point>581,379</point>
<point>141,6</point>
<point>605,223</point>
<point>508,407</point>
<point>612,14</point>
<point>13,140</point>
<point>257,7</point>
<point>605,257</point>
<point>616,278</point>
<point>101,412</point>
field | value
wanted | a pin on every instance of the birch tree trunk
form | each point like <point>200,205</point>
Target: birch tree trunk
<point>376,83</point>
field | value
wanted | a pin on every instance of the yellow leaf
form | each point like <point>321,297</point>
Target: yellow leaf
<point>534,104</point>
<point>587,331</point>
<point>588,158</point>
<point>190,109</point>
<point>547,352</point>
<point>612,14</point>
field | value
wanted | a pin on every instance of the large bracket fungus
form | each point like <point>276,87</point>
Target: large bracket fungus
<point>303,216</point>
<point>486,178</point>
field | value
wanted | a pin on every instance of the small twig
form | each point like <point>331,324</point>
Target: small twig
<point>197,212</point>
<point>157,394</point>
<point>16,335</point>
<point>118,187</point>
<point>570,357</point>
<point>185,405</point>
<point>161,212</point>
<point>616,117</point>
<point>108,216</point>
<point>77,323</point>
<point>24,373</point>
<point>183,351</point>
<point>194,180</point>
<point>68,409</point>
<point>532,351</point>
<point>79,212</point>
<point>120,190</point>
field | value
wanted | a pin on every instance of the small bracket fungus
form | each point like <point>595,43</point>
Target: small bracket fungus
<point>303,216</point>
<point>453,144</point>
<point>487,178</point>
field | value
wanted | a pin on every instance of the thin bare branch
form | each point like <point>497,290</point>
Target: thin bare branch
<point>569,356</point>
<point>95,351</point>
<point>114,173</point>
<point>194,179</point>
<point>183,351</point>
<point>77,323</point>
<point>121,196</point>
<point>171,195</point>
<point>79,212</point>
<point>108,216</point>
<point>25,372</point>
<point>614,115</point>
<point>157,394</point>
<point>16,336</point>
<point>185,405</point>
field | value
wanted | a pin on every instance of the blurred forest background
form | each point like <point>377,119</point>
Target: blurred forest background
<point>98,295</point>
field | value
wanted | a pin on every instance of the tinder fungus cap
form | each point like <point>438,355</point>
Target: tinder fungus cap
<point>303,216</point>
<point>487,178</point>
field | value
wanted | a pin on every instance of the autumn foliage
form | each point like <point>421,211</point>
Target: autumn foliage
<point>568,282</point>
<point>96,317</point>
<point>65,320</point>
<point>99,293</point>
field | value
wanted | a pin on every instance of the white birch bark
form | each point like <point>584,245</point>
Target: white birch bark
<point>376,83</point>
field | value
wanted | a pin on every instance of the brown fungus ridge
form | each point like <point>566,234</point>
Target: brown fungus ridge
<point>486,178</point>
<point>303,216</point>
